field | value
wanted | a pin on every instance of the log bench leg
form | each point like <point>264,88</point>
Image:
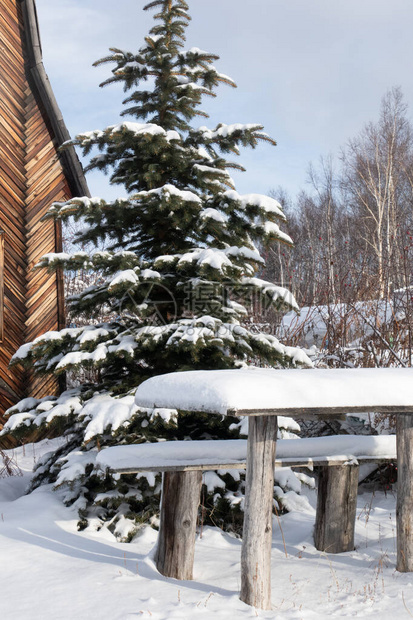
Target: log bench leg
<point>336,508</point>
<point>175,550</point>
<point>404,507</point>
<point>259,498</point>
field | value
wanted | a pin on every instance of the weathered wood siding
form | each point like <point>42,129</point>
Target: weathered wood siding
<point>31,178</point>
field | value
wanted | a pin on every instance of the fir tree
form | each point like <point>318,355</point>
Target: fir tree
<point>179,274</point>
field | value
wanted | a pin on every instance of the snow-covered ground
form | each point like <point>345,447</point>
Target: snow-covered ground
<point>49,570</point>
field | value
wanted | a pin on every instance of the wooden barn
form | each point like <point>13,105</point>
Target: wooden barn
<point>33,174</point>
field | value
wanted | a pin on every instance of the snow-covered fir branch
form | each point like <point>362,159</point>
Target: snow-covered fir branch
<point>175,281</point>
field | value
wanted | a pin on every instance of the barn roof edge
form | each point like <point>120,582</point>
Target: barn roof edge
<point>70,161</point>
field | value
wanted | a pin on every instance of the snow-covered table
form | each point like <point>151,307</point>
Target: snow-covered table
<point>262,395</point>
<point>254,391</point>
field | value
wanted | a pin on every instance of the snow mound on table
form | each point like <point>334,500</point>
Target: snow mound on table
<point>261,389</point>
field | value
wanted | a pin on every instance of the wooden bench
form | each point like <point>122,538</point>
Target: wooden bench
<point>182,464</point>
<point>263,394</point>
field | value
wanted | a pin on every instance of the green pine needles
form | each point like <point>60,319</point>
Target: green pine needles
<point>182,252</point>
<point>179,276</point>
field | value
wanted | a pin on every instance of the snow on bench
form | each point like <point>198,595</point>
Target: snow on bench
<point>262,394</point>
<point>184,461</point>
<point>232,453</point>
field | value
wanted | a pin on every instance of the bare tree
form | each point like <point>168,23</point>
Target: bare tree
<point>376,179</point>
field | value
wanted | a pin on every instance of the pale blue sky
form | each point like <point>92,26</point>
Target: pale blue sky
<point>311,71</point>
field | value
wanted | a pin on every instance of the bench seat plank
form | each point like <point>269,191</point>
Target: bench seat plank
<point>224,465</point>
<point>232,453</point>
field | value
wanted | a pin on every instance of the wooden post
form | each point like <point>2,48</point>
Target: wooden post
<point>336,508</point>
<point>179,508</point>
<point>259,498</point>
<point>404,506</point>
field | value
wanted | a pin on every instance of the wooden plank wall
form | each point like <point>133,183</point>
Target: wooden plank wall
<point>12,195</point>
<point>31,178</point>
<point>46,183</point>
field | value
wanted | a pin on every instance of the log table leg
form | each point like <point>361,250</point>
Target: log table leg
<point>259,498</point>
<point>404,507</point>
<point>336,508</point>
<point>175,550</point>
